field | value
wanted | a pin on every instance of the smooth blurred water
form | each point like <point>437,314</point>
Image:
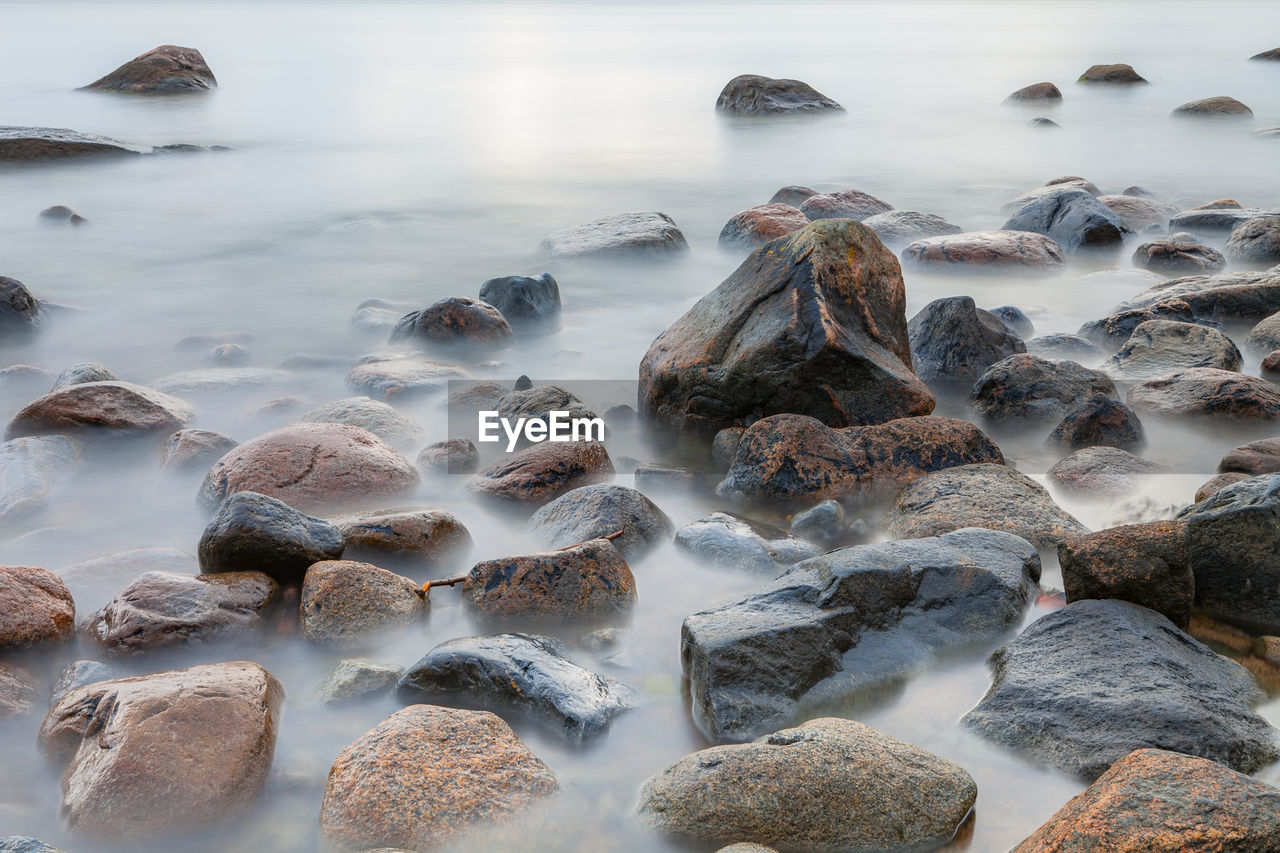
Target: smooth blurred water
<point>411,151</point>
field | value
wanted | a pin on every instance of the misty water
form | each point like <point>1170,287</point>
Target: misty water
<point>409,152</point>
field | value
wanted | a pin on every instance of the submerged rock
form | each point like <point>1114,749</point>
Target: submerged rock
<point>1037,92</point>
<point>954,340</point>
<point>195,449</point>
<point>18,695</point>
<point>821,523</point>
<point>386,422</point>
<point>599,510</point>
<point>451,456</point>
<point>1216,220</point>
<point>752,94</point>
<point>1062,347</point>
<point>1098,422</point>
<point>985,251</point>
<point>1106,472</point>
<point>36,608</point>
<point>522,673</point>
<point>1178,258</point>
<point>223,380</point>
<point>426,535</point>
<point>646,234</point>
<point>906,226</point>
<point>102,409</point>
<point>1158,347</point>
<point>94,583</point>
<point>1255,241</point>
<point>738,542</point>
<point>844,204</point>
<point>456,321</point>
<point>524,300</point>
<point>357,678</point>
<point>344,603</point>
<point>30,469</point>
<point>40,144</point>
<point>1205,392</point>
<point>1026,386</point>
<point>165,70</point>
<point>1117,73</point>
<point>402,377</point>
<point>543,472</point>
<point>78,374</point>
<point>1072,217</point>
<point>588,583</point>
<point>1137,212</point>
<point>848,622</point>
<point>1220,106</point>
<point>756,226</point>
<point>256,533</point>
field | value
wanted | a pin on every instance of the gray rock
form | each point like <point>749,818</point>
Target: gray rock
<point>93,583</point>
<point>1029,387</point>
<point>725,445</point>
<point>1107,472</point>
<point>524,300</point>
<point>1016,319</point>
<point>634,234</point>
<point>30,469</point>
<point>1208,394</point>
<point>256,533</point>
<point>1098,421</point>
<point>1072,217</point>
<point>848,622</point>
<point>751,94</point>
<point>1220,220</point>
<point>223,380</point>
<point>385,421</point>
<point>78,674</point>
<point>1158,347</point>
<point>229,355</point>
<point>1060,346</point>
<point>87,371</point>
<point>25,844</point>
<point>737,542</point>
<point>954,340</point>
<point>899,227</point>
<point>599,510</point>
<point>400,377</point>
<point>358,678</point>
<point>1255,241</point>
<point>822,523</point>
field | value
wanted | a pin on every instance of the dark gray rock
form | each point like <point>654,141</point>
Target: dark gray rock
<point>823,523</point>
<point>87,371</point>
<point>1255,241</point>
<point>752,94</point>
<point>78,674</point>
<point>20,314</point>
<point>850,621</point>
<point>738,542</point>
<point>458,321</point>
<point>255,533</point>
<point>1099,421</point>
<point>954,340</point>
<point>599,510</point>
<point>1085,685</point>
<point>644,235</point>
<point>1072,217</point>
<point>725,445</point>
<point>1158,347</point>
<point>524,300</point>
<point>1016,319</point>
<point>1066,347</point>
<point>1029,387</point>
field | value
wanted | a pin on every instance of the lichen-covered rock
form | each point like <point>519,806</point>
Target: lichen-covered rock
<point>256,533</point>
<point>843,204</point>
<point>1255,241</point>
<point>36,608</point>
<point>1103,472</point>
<point>1207,393</point>
<point>954,340</point>
<point>1042,92</point>
<point>30,469</point>
<point>742,543</point>
<point>102,409</point>
<point>345,603</point>
<point>386,422</point>
<point>1072,217</point>
<point>897,227</point>
<point>422,535</point>
<point>1158,347</point>
<point>1098,422</point>
<point>1216,107</point>
<point>752,94</point>
<point>1146,564</point>
<point>543,472</point>
<point>1178,258</point>
<point>453,322</point>
<point>1117,73</point>
<point>599,510</point>
<point>524,300</point>
<point>195,449</point>
<point>164,70</point>
<point>645,235</point>
<point>588,583</point>
<point>987,251</point>
<point>758,225</point>
<point>1029,387</point>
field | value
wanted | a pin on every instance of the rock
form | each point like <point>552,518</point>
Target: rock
<point>1205,392</point>
<point>25,844</point>
<point>1085,685</point>
<point>543,472</point>
<point>1026,386</point>
<point>813,323</point>
<point>1158,347</point>
<point>399,378</point>
<point>201,735</point>
<point>386,422</point>
<point>311,467</point>
<point>222,380</point>
<point>165,609</point>
<point>1075,180</point>
<point>756,226</point>
<point>1217,220</point>
<point>600,510</point>
<point>252,532</point>
<point>374,319</point>
<point>985,251</point>
<point>1156,801</point>
<point>1270,366</point>
<point>1220,106</point>
<point>1118,73</point>
<point>1258,457</point>
<point>1037,92</point>
<point>1058,346</point>
<point>1218,483</point>
<point>737,542</point>
<point>725,446</point>
<point>845,204</point>
<point>796,459</point>
<point>778,790</point>
<point>1255,241</point>
<point>94,583</point>
<point>992,496</point>
<point>954,340</point>
<point>822,523</point>
<point>165,70</point>
<point>40,144</point>
<point>206,342</point>
<point>751,94</point>
<point>1016,319</point>
<point>538,402</point>
<point>425,776</point>
<point>662,478</point>
<point>18,378</point>
<point>646,234</point>
<point>1222,204</point>
<point>36,608</point>
<point>229,355</point>
<point>792,196</point>
<point>524,300</point>
<point>17,691</point>
<point>1107,472</point>
<point>1145,564</point>
<point>30,469</point>
<point>422,535</point>
<point>86,371</point>
<point>1234,544</point>
<point>896,227</point>
<point>850,621</point>
<point>451,456</point>
<point>456,321</point>
<point>1098,422</point>
<point>589,583</point>
<point>1265,336</point>
<point>1051,189</point>
<point>1041,121</point>
<point>1073,218</point>
<point>1138,213</point>
<point>746,847</point>
<point>195,449</point>
<point>1166,256</point>
<point>1114,330</point>
<point>1235,297</point>
<point>358,678</point>
<point>345,603</point>
<point>78,674</point>
<point>102,408</point>
<point>516,672</point>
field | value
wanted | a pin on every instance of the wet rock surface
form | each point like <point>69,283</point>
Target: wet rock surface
<point>30,469</point>
<point>358,678</point>
<point>1207,393</point>
<point>647,234</point>
<point>346,603</point>
<point>738,542</point>
<point>36,608</point>
<point>1102,472</point>
<point>195,449</point>
<point>1145,564</point>
<point>954,340</point>
<point>543,472</point>
<point>458,321</point>
<point>1072,217</point>
<point>1045,92</point>
<point>165,70</point>
<point>402,377</point>
<point>588,583</point>
<point>758,225</point>
<point>1098,422</point>
<point>255,533</point>
<point>843,204</point>
<point>102,409</point>
<point>524,300</point>
<point>985,251</point>
<point>1158,347</point>
<point>896,227</point>
<point>600,510</point>
<point>42,144</point>
<point>1028,387</point>
<point>386,422</point>
<point>752,94</point>
<point>1255,241</point>
<point>420,535</point>
<point>1178,258</point>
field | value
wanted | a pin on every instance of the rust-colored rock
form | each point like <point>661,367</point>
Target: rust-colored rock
<point>1178,258</point>
<point>1155,801</point>
<point>311,467</point>
<point>544,471</point>
<point>165,70</point>
<point>1145,564</point>
<point>35,608</point>
<point>589,583</point>
<point>985,251</point>
<point>425,776</point>
<point>344,602</point>
<point>1216,107</point>
<point>424,535</point>
<point>1205,392</point>
<point>1271,363</point>
<point>164,753</point>
<point>1037,92</point>
<point>1257,457</point>
<point>1219,483</point>
<point>102,408</point>
<point>757,225</point>
<point>458,320</point>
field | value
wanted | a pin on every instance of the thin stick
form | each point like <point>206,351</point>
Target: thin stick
<point>455,581</point>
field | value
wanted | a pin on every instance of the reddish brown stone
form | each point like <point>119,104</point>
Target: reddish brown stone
<point>985,250</point>
<point>1176,258</point>
<point>1138,213</point>
<point>345,602</point>
<point>589,583</point>
<point>170,752</point>
<point>452,456</point>
<point>195,449</point>
<point>120,408</point>
<point>1257,457</point>
<point>1100,471</point>
<point>165,70</point>
<point>756,226</point>
<point>1117,73</point>
<point>35,608</point>
<point>1220,106</point>
<point>544,471</point>
<point>429,535</point>
<point>453,321</point>
<point>1146,564</point>
<point>1221,204</point>
<point>1219,483</point>
<point>1204,392</point>
<point>427,775</point>
<point>1271,364</point>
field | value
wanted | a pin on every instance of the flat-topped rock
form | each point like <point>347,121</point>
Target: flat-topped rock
<point>752,94</point>
<point>38,144</point>
<point>647,234</point>
<point>1221,106</point>
<point>1117,73</point>
<point>119,409</point>
<point>1207,393</point>
<point>986,251</point>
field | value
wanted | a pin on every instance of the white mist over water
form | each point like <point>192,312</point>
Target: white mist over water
<point>410,152</point>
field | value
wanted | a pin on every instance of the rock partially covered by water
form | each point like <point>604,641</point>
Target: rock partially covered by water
<point>456,321</point>
<point>1157,801</point>
<point>164,609</point>
<point>422,535</point>
<point>256,533</point>
<point>1058,346</point>
<point>402,377</point>
<point>1029,387</point>
<point>311,467</point>
<point>896,227</point>
<point>1221,106</point>
<point>524,300</point>
<point>954,340</point>
<point>1254,458</point>
<point>757,225</point>
<point>78,374</point>
<point>25,844</point>
<point>1113,331</point>
<point>844,204</point>
<point>795,459</point>
<point>30,469</point>
<point>646,234</point>
<point>741,543</point>
<point>344,603</point>
<point>1138,213</point>
<point>1171,257</point>
<point>357,678</point>
<point>425,776</point>
<point>1041,92</point>
<point>200,736</point>
<point>386,422</point>
<point>93,583</point>
<point>1216,220</point>
<point>451,456</point>
<point>1146,564</point>
<point>1158,347</point>
<point>1072,217</point>
<point>850,621</point>
<point>779,790</point>
<point>1207,393</point>
<point>39,144</point>
<point>1117,73</point>
<point>543,472</point>
<point>1273,55</point>
<point>1085,685</point>
<point>1098,421</point>
<point>1218,483</point>
<point>589,583</point>
<point>195,449</point>
<point>522,673</point>
<point>35,608</point>
<point>599,510</point>
<point>985,251</point>
<point>813,323</point>
<point>1255,241</point>
<point>18,693</point>
<point>165,70</point>
<point>102,409</point>
<point>751,94</point>
<point>991,496</point>
<point>1102,472</point>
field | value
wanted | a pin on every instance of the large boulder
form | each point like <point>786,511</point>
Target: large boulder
<point>1072,217</point>
<point>648,234</point>
<point>529,675</point>
<point>843,204</point>
<point>1102,472</point>
<point>813,323</point>
<point>952,339</point>
<point>524,300</point>
<point>599,510</point>
<point>102,409</point>
<point>795,459</point>
<point>204,735</point>
<point>1239,297</point>
<point>1146,564</point>
<point>345,603</point>
<point>850,621</point>
<point>781,790</point>
<point>30,469</point>
<point>414,535</point>
<point>40,144</point>
<point>426,775</point>
<point>991,496</point>
<point>255,533</point>
<point>1116,73</point>
<point>1178,257</point>
<point>543,472</point>
<point>458,321</point>
<point>20,315</point>
<point>1207,393</point>
<point>1220,106</point>
<point>752,94</point>
<point>36,608</point>
<point>1158,347</point>
<point>987,251</point>
<point>386,422</point>
<point>1098,422</point>
<point>1028,387</point>
<point>1255,241</point>
<point>758,225</point>
<point>897,227</point>
<point>165,70</point>
<point>1087,684</point>
<point>742,543</point>
<point>311,467</point>
<point>588,583</point>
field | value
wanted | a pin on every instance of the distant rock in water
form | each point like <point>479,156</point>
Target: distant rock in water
<point>1041,121</point>
<point>987,251</point>
<point>29,144</point>
<point>751,94</point>
<point>793,195</point>
<point>645,234</point>
<point>1118,73</point>
<point>954,340</point>
<point>1173,258</point>
<point>904,226</point>
<point>1219,107</point>
<point>62,213</point>
<point>1036,92</point>
<point>102,409</point>
<point>1255,241</point>
<point>165,70</point>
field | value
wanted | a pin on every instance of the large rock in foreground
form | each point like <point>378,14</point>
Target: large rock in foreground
<point>102,409</point>
<point>165,70</point>
<point>426,775</point>
<point>1085,685</point>
<point>633,234</point>
<point>987,251</point>
<point>829,784</point>
<point>813,323</point>
<point>849,621</point>
<point>751,94</point>
<point>201,736</point>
